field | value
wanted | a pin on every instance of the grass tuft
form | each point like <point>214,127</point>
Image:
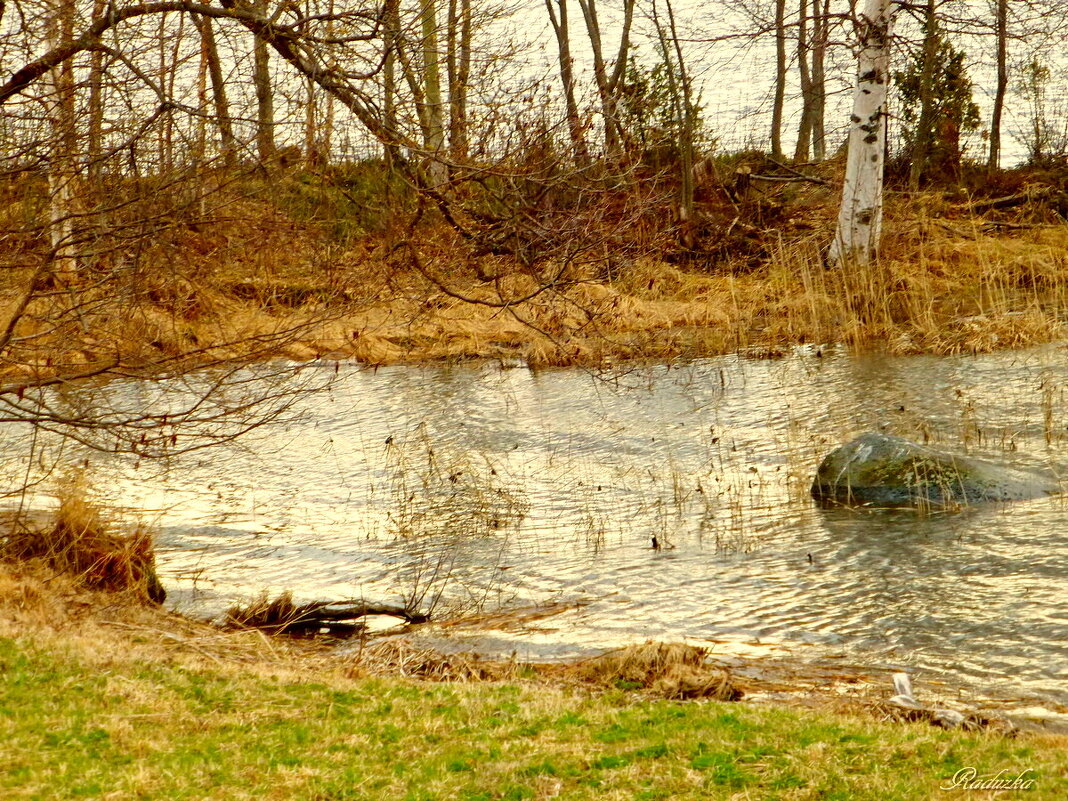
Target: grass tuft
<point>83,541</point>
<point>264,612</point>
<point>399,657</point>
<point>670,670</point>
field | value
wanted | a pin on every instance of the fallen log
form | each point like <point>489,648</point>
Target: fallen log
<point>332,618</point>
<point>1046,194</point>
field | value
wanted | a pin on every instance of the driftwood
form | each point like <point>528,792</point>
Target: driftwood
<point>744,176</point>
<point>333,618</point>
<point>795,175</point>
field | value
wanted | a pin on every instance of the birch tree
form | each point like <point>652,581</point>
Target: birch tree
<point>856,240</point>
<point>434,133</point>
<point>61,105</point>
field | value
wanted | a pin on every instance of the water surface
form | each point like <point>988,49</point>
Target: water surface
<point>478,488</point>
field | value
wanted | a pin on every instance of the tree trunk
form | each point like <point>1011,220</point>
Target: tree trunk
<point>94,143</point>
<point>608,85</point>
<point>820,28</point>
<point>679,86</point>
<point>261,79</point>
<point>434,140</point>
<point>326,126</point>
<point>390,38</point>
<point>311,127</point>
<point>804,128</point>
<point>686,144</point>
<point>170,70</point>
<point>856,240</point>
<point>779,98</point>
<point>227,142</point>
<point>921,145</point>
<point>994,160</point>
<point>61,174</point>
<point>458,63</point>
<point>567,76</point>
<point>200,143</point>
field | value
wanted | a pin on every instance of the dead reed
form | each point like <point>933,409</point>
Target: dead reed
<point>262,284</point>
<point>264,612</point>
<point>83,541</point>
<point>400,657</point>
<point>669,670</point>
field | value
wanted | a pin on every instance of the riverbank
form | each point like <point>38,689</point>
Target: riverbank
<point>105,697</point>
<point>282,267</point>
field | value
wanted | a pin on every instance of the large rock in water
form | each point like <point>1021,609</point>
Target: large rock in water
<point>881,470</point>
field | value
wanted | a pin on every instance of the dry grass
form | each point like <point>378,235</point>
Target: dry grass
<point>668,670</point>
<point>665,670</point>
<point>84,542</point>
<point>263,285</point>
<point>399,657</point>
<point>264,612</point>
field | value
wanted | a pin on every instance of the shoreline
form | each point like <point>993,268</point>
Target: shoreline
<point>106,696</point>
<point>430,652</point>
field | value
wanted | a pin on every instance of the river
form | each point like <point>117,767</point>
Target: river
<point>477,488</point>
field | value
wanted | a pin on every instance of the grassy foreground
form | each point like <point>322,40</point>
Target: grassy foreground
<point>104,699</point>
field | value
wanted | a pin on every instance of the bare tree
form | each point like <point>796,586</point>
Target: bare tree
<point>1001,33</point>
<point>434,115</point>
<point>458,63</point>
<point>559,20</point>
<point>62,170</point>
<point>681,90</point>
<point>924,128</point>
<point>817,96</point>
<point>804,128</point>
<point>261,79</point>
<point>210,55</point>
<point>96,101</point>
<point>608,76</point>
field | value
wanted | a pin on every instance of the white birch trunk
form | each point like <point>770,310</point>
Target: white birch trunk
<point>856,240</point>
<point>60,89</point>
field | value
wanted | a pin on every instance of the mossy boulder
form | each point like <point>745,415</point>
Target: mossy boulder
<point>882,470</point>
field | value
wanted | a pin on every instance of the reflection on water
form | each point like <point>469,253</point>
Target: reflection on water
<point>476,487</point>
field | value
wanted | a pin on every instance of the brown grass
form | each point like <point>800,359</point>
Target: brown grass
<point>669,670</point>
<point>264,612</point>
<point>104,630</point>
<point>83,542</point>
<point>399,657</point>
<point>262,285</point>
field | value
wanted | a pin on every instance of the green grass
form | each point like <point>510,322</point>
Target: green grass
<point>119,727</point>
